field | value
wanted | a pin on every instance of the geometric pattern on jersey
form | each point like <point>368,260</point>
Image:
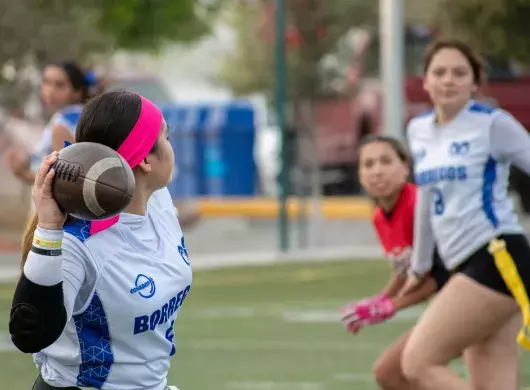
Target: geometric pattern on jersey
<point>77,228</point>
<point>94,341</point>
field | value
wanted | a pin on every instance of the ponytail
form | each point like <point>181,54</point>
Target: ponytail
<point>27,240</point>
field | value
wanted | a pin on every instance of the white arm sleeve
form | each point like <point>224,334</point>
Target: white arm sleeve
<point>69,268</point>
<point>510,141</point>
<point>424,243</point>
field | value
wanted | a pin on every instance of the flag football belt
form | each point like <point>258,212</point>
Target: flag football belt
<point>508,271</point>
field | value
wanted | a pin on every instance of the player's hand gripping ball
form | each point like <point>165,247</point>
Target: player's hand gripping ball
<point>92,181</point>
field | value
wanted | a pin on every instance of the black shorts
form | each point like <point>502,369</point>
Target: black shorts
<point>480,266</point>
<point>41,385</point>
<point>438,271</point>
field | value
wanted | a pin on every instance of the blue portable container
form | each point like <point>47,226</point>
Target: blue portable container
<point>214,149</point>
<point>183,133</point>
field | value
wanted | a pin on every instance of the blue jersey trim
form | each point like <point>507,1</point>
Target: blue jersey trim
<point>78,228</point>
<point>95,344</point>
<point>72,118</point>
<point>480,108</point>
<point>489,178</point>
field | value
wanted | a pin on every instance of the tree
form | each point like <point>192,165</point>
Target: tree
<point>499,27</point>
<point>35,32</point>
<point>147,24</point>
<point>314,28</point>
<point>249,68</point>
<point>313,31</point>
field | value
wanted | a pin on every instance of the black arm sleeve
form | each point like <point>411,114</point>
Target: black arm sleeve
<point>38,315</point>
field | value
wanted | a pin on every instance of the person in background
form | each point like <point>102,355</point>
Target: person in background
<point>384,169</point>
<point>464,151</point>
<point>64,90</point>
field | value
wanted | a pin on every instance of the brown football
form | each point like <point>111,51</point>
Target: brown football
<point>92,181</point>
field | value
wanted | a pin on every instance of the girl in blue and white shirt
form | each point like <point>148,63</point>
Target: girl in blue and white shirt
<point>64,90</point>
<point>463,151</point>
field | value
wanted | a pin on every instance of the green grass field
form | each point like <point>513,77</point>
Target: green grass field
<point>264,328</point>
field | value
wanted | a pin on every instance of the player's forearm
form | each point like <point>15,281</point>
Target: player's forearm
<point>424,243</point>
<point>422,293</point>
<point>395,283</point>
<point>38,314</point>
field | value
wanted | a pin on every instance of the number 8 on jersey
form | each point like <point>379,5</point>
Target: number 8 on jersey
<point>438,201</point>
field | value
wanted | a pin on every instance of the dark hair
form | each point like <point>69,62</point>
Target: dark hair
<point>107,119</point>
<point>76,76</point>
<point>394,143</point>
<point>476,62</point>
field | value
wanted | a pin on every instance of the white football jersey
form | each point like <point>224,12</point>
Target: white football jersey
<point>68,118</point>
<point>137,275</point>
<point>463,168</point>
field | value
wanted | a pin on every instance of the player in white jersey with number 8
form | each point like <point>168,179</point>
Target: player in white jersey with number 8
<point>463,152</point>
<point>97,301</point>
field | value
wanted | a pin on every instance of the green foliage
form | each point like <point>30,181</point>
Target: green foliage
<point>249,68</point>
<point>145,24</point>
<point>320,24</point>
<point>500,27</point>
<point>142,24</point>
<point>35,32</point>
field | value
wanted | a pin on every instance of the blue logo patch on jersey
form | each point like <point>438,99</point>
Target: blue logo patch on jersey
<point>144,286</point>
<point>184,252</point>
<point>459,148</point>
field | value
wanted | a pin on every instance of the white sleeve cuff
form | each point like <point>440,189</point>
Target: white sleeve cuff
<point>43,270</point>
<point>50,235</point>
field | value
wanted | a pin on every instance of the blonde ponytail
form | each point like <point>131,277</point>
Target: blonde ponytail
<point>27,240</point>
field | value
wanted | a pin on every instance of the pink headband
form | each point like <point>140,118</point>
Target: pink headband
<point>136,147</point>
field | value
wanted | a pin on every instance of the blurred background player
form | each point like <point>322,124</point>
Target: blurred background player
<point>97,301</point>
<point>64,90</point>
<point>464,151</point>
<point>384,170</point>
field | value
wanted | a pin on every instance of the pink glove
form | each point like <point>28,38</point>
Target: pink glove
<point>349,312</point>
<point>367,312</point>
<point>351,308</point>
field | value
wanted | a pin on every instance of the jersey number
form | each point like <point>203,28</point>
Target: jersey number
<point>438,199</point>
<point>170,335</point>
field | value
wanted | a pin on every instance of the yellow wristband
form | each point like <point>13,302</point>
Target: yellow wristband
<point>47,243</point>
